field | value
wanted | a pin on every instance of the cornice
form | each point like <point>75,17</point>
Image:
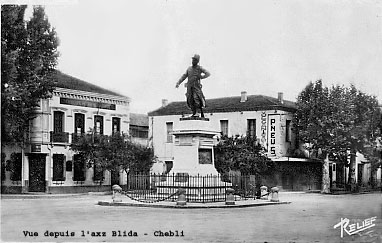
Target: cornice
<point>96,97</point>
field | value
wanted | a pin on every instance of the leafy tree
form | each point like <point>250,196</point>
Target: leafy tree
<point>113,152</point>
<point>28,59</point>
<point>241,153</point>
<point>336,122</point>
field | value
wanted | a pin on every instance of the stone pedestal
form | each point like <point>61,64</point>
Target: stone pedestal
<point>274,194</point>
<point>193,147</point>
<point>194,165</point>
<point>117,196</point>
<point>230,200</point>
<point>264,192</point>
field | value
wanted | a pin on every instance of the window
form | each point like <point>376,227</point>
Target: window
<point>116,125</point>
<point>98,173</point>
<point>288,131</point>
<point>79,126</point>
<point>334,167</point>
<point>169,126</point>
<point>224,127</point>
<point>181,177</point>
<point>69,165</point>
<point>79,123</point>
<point>58,121</point>
<point>169,165</point>
<point>98,124</point>
<point>58,167</point>
<point>138,132</point>
<point>79,168</point>
<point>205,156</point>
<point>251,128</point>
<point>58,135</point>
<point>15,166</point>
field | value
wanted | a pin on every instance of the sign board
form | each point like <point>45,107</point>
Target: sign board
<point>273,134</point>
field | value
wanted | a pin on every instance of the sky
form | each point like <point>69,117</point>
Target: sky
<point>140,48</point>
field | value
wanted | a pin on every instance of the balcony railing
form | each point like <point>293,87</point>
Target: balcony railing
<point>59,137</point>
<point>77,136</point>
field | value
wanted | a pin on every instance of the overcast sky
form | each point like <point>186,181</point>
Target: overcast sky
<point>141,48</point>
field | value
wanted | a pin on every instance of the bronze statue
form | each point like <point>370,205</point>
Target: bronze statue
<point>195,97</point>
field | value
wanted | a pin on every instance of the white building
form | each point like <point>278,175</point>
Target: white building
<point>267,118</point>
<point>47,164</point>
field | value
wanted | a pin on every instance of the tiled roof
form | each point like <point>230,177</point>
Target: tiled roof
<point>228,104</point>
<point>68,82</point>
<point>139,120</point>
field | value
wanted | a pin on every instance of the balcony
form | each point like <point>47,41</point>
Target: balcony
<point>59,137</point>
<point>77,136</point>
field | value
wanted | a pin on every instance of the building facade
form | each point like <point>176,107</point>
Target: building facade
<point>268,119</point>
<point>47,164</point>
<point>139,129</point>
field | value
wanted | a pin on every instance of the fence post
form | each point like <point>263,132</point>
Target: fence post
<point>263,192</point>
<point>181,201</point>
<point>116,193</point>
<point>230,199</point>
<point>274,194</point>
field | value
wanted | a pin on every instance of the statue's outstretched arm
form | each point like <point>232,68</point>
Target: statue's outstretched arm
<point>184,76</point>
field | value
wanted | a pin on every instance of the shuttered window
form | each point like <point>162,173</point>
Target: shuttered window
<point>58,121</point>
<point>116,125</point>
<point>224,127</point>
<point>169,127</point>
<point>58,167</point>
<point>98,124</point>
<point>79,168</point>
<point>251,128</point>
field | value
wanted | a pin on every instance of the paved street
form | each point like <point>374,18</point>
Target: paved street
<point>309,218</point>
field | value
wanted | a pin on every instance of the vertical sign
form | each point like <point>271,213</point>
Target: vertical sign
<point>273,135</point>
<point>263,129</point>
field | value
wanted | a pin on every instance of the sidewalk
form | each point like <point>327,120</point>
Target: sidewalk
<point>40,195</point>
<point>105,199</point>
<point>170,204</point>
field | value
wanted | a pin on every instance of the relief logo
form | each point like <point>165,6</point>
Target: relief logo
<point>356,227</point>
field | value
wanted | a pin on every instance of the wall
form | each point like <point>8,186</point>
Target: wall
<point>237,125</point>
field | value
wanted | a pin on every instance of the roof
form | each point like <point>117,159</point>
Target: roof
<point>68,82</point>
<point>228,104</point>
<point>141,120</point>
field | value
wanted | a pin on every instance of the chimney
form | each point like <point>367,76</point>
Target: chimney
<point>164,102</point>
<point>243,96</point>
<point>280,97</point>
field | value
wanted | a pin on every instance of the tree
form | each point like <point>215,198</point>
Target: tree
<point>28,59</point>
<point>241,153</point>
<point>335,123</point>
<point>113,152</point>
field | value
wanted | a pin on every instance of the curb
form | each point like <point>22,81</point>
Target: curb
<point>202,206</point>
<point>49,196</point>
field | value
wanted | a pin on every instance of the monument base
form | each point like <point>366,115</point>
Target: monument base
<point>193,166</point>
<point>198,188</point>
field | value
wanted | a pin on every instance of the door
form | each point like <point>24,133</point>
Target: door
<point>360,173</point>
<point>37,172</point>
<point>115,177</point>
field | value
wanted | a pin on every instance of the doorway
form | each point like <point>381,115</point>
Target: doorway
<point>37,172</point>
<point>115,176</point>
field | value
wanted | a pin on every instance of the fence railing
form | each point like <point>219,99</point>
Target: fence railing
<point>199,188</point>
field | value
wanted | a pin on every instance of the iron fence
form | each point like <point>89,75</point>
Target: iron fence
<point>199,188</point>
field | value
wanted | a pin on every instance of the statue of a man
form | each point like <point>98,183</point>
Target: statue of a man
<point>195,97</point>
